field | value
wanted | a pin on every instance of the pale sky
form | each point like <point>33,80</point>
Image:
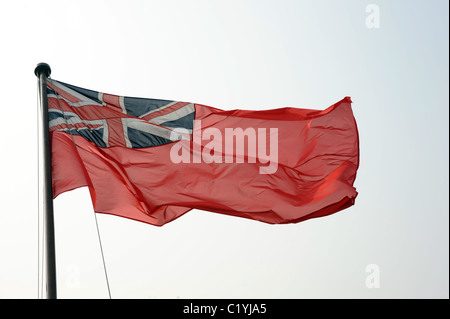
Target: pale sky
<point>240,54</point>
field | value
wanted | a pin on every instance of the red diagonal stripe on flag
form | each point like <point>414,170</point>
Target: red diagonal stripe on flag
<point>86,112</point>
<point>165,111</point>
<point>63,93</point>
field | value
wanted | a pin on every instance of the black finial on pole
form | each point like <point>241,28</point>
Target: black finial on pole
<point>42,71</point>
<point>43,68</point>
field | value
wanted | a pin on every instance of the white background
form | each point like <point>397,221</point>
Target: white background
<point>245,55</point>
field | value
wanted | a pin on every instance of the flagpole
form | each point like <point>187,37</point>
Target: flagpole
<point>42,71</point>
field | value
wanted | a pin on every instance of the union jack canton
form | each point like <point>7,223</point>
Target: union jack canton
<point>110,120</point>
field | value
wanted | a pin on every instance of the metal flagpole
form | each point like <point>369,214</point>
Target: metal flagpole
<point>42,71</point>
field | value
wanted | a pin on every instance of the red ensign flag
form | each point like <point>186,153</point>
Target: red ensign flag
<point>154,160</point>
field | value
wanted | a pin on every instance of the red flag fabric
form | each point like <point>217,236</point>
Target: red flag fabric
<point>154,160</point>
